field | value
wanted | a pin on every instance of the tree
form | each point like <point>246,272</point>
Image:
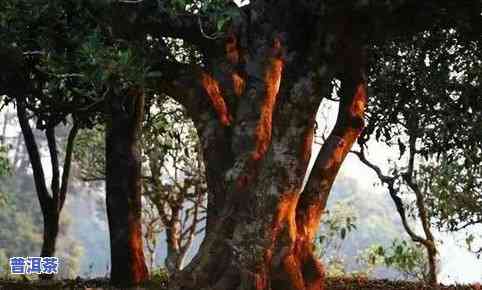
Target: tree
<point>427,142</point>
<point>335,228</point>
<point>51,204</point>
<point>117,76</point>
<point>124,187</point>
<point>394,189</point>
<point>21,213</point>
<point>35,81</point>
<point>175,181</point>
<point>172,178</point>
<point>253,99</point>
<point>51,76</point>
<point>455,198</point>
<point>406,258</point>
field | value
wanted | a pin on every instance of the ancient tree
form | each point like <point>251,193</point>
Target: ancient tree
<point>252,93</point>
<point>253,98</point>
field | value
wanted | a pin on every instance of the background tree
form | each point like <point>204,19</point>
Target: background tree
<point>406,257</point>
<point>337,225</point>
<point>45,79</point>
<point>21,213</point>
<point>173,177</point>
<point>36,82</point>
<point>433,70</point>
<point>175,181</point>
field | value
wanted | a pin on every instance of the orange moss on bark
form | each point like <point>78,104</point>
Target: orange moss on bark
<point>212,88</point>
<point>347,129</point>
<point>140,273</point>
<point>290,261</point>
<point>238,83</point>
<point>272,80</point>
<point>285,216</point>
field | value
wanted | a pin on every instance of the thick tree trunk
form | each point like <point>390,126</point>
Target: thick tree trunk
<point>261,123</point>
<point>124,188</point>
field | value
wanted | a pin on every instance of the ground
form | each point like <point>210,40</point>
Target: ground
<point>331,284</point>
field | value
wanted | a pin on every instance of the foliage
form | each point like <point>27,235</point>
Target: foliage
<point>405,257</point>
<point>160,276</point>
<point>455,197</point>
<point>4,164</point>
<point>102,63</point>
<point>440,152</point>
<point>90,153</point>
<point>456,193</point>
<point>4,170</point>
<point>48,50</point>
<point>338,223</point>
<point>216,12</point>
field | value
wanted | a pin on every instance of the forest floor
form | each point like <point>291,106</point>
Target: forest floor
<point>331,284</point>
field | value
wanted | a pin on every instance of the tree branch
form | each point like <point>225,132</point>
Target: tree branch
<point>389,181</point>
<point>349,124</point>
<point>67,164</point>
<point>54,161</point>
<point>182,83</point>
<point>151,17</point>
<point>34,156</point>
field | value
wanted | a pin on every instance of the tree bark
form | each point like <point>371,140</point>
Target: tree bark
<point>51,231</point>
<point>124,187</point>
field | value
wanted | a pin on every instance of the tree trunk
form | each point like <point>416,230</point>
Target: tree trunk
<point>51,231</point>
<point>175,256</point>
<point>124,187</point>
<point>262,122</point>
<point>432,264</point>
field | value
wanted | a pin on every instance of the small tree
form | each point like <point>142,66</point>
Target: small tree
<point>405,257</point>
<point>338,223</point>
